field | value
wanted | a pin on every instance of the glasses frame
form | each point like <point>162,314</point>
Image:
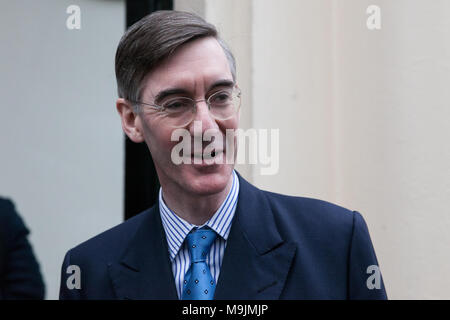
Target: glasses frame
<point>235,91</point>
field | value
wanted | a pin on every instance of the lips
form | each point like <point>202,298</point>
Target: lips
<point>207,155</point>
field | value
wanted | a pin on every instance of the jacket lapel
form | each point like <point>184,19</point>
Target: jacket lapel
<point>144,272</point>
<point>257,259</point>
<point>255,265</point>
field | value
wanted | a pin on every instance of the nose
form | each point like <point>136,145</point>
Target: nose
<point>203,117</point>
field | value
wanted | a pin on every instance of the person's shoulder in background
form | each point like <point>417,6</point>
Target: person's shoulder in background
<point>20,276</point>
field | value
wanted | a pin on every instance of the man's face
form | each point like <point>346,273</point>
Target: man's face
<point>195,69</point>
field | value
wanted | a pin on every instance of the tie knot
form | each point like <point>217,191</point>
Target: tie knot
<point>199,242</point>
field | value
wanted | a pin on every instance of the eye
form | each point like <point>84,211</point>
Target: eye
<point>220,97</point>
<point>178,104</point>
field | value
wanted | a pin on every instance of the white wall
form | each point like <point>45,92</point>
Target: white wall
<point>392,128</point>
<point>60,136</point>
<point>364,117</point>
<point>292,91</point>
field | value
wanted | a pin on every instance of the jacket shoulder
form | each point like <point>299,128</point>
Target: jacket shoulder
<point>308,206</point>
<point>109,244</point>
<point>314,217</point>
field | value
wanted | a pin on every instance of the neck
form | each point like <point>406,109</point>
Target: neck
<point>193,208</point>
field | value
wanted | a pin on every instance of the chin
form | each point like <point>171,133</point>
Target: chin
<point>205,181</point>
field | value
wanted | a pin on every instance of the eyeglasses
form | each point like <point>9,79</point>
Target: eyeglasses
<point>180,111</point>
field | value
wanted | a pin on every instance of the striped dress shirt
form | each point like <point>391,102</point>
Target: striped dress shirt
<point>177,229</point>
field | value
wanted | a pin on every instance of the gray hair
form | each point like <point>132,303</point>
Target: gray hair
<point>152,39</point>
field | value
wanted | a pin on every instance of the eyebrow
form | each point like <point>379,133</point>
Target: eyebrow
<point>172,91</point>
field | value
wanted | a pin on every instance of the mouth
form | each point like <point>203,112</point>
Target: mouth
<point>200,158</point>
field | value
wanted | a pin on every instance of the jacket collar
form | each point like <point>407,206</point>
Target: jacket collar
<point>144,271</point>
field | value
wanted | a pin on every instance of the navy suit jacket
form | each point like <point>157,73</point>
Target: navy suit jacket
<point>279,247</point>
<point>20,276</point>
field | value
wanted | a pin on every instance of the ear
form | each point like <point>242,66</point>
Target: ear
<point>130,120</point>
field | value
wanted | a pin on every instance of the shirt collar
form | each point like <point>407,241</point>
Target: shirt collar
<point>177,229</point>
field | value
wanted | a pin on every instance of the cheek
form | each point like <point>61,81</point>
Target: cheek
<point>160,143</point>
<point>158,139</point>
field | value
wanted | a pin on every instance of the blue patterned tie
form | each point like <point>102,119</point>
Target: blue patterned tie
<point>198,281</point>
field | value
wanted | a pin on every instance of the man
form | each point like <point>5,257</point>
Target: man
<point>20,276</point>
<point>212,235</point>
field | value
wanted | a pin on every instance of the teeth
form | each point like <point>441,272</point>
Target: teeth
<point>207,156</point>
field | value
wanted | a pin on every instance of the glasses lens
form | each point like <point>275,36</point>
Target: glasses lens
<point>224,104</point>
<point>179,111</point>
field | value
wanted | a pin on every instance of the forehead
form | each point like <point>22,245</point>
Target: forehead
<point>193,66</point>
